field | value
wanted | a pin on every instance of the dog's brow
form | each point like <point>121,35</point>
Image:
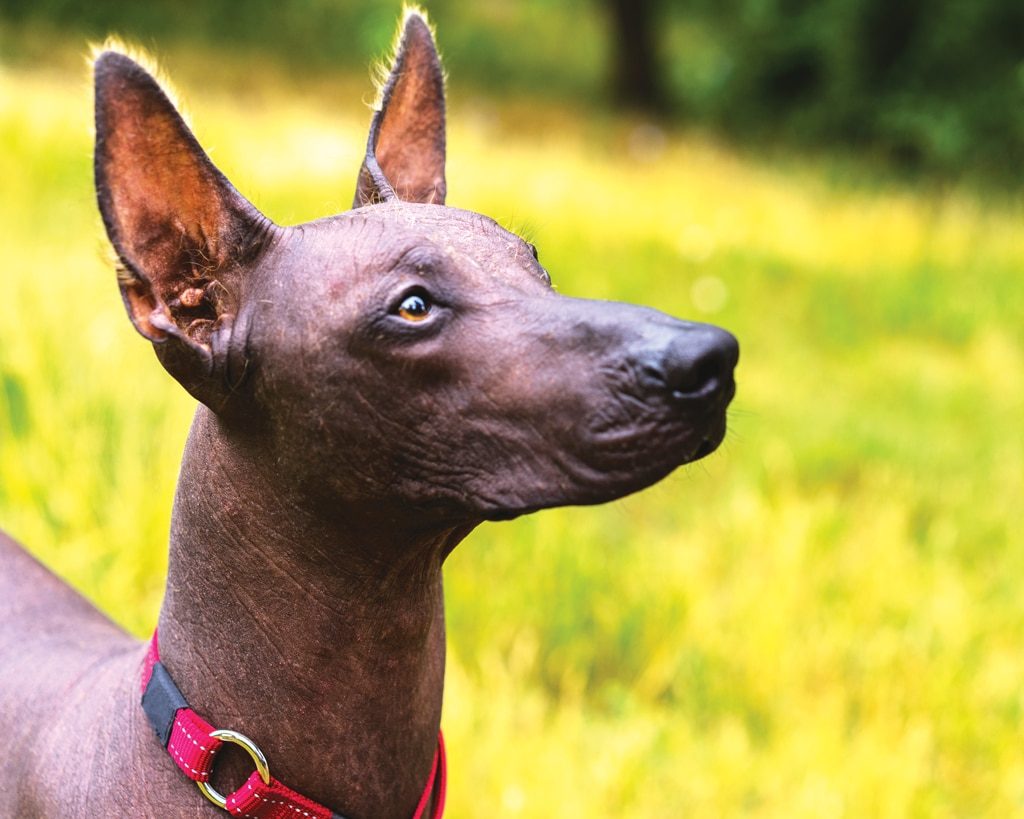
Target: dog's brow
<point>420,257</point>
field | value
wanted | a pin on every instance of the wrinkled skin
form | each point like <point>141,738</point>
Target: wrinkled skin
<point>507,398</point>
<point>372,386</point>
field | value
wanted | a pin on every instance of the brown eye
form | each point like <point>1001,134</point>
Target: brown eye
<point>415,307</point>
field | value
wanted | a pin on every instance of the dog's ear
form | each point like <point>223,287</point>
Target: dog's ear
<point>183,234</point>
<point>406,148</point>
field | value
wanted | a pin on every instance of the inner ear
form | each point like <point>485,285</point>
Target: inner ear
<point>180,229</point>
<point>183,235</point>
<point>405,152</point>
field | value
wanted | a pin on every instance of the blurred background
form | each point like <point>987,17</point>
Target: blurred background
<point>822,619</point>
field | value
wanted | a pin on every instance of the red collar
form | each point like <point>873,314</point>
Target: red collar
<point>193,744</point>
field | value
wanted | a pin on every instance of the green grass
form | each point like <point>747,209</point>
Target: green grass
<point>823,619</point>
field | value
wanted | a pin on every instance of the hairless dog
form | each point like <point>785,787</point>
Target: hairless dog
<point>371,387</point>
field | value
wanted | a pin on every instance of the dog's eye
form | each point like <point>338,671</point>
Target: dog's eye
<point>533,250</point>
<point>414,307</point>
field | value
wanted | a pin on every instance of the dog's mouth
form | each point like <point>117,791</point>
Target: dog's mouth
<point>622,479</point>
<point>707,446</point>
<point>674,439</point>
<point>713,438</point>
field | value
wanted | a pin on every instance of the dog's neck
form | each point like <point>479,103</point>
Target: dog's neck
<point>320,637</point>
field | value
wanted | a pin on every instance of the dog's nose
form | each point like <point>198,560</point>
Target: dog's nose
<point>699,362</point>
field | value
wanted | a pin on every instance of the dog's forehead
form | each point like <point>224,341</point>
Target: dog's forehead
<point>377,237</point>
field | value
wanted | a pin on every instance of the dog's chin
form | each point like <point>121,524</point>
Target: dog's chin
<point>620,483</point>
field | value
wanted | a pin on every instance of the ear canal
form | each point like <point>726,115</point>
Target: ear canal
<point>405,152</point>
<point>184,236</point>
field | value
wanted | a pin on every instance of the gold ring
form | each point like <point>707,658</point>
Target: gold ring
<point>250,748</point>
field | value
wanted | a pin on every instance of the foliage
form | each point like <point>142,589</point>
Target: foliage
<point>538,45</point>
<point>930,86</point>
<point>936,84</point>
<point>822,619</point>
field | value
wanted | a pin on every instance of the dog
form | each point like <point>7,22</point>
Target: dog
<point>371,386</point>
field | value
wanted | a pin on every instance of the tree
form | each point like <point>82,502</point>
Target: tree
<point>636,67</point>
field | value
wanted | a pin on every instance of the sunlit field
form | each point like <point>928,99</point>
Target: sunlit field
<point>825,618</point>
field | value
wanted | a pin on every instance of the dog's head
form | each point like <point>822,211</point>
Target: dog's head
<point>403,352</point>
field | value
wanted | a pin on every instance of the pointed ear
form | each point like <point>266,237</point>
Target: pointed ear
<point>183,234</point>
<point>405,151</point>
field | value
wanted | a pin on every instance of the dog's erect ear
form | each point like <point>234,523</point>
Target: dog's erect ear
<point>183,234</point>
<point>405,151</point>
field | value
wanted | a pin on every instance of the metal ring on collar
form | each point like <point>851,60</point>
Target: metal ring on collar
<point>250,748</point>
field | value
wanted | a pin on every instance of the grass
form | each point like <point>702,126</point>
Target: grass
<point>823,619</point>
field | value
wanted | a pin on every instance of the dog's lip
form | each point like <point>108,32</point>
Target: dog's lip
<point>712,439</point>
<point>702,437</point>
<point>705,445</point>
<point>708,445</point>
<point>685,439</point>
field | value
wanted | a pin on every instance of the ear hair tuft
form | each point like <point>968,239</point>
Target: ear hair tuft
<point>380,70</point>
<point>147,61</point>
